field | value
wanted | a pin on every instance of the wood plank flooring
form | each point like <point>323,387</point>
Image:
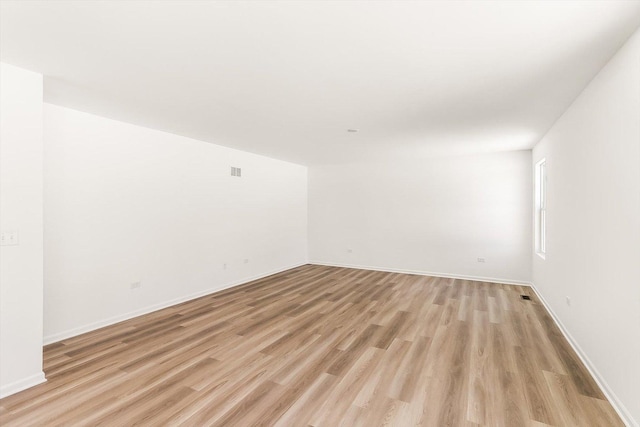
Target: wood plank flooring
<point>323,346</point>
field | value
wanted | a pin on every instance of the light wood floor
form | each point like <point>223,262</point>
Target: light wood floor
<point>323,346</point>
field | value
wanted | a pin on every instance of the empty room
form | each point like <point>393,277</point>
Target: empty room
<point>320,213</point>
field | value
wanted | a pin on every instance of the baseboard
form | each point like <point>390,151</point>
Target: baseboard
<point>622,411</point>
<point>49,339</point>
<point>23,384</point>
<point>426,273</point>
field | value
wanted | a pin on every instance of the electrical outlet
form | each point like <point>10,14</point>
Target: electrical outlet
<point>350,250</point>
<point>246,261</point>
<point>136,285</point>
<point>568,300</point>
<point>480,259</point>
<point>9,238</point>
<point>224,266</point>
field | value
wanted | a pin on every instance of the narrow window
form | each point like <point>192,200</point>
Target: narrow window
<point>541,207</point>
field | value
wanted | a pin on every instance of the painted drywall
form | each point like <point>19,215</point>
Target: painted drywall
<point>593,226</point>
<point>436,215</point>
<point>129,205</point>
<point>20,211</point>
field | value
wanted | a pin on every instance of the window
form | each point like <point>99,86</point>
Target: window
<point>541,207</point>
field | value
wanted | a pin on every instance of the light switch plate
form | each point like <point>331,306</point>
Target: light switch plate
<point>9,238</point>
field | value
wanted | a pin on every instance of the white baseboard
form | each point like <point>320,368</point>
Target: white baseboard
<point>49,339</point>
<point>23,384</point>
<point>622,411</point>
<point>426,273</point>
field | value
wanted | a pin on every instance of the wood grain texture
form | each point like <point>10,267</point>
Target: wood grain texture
<point>323,346</point>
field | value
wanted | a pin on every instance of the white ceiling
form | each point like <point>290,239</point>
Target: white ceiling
<point>287,79</point>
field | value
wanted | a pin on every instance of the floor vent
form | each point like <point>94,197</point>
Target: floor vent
<point>525,297</point>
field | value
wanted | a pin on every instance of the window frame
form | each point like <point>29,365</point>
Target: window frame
<point>541,194</point>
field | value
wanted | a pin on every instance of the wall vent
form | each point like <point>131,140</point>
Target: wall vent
<point>236,171</point>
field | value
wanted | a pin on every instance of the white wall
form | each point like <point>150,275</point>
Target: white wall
<point>126,204</point>
<point>21,211</point>
<point>435,215</point>
<point>593,220</point>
